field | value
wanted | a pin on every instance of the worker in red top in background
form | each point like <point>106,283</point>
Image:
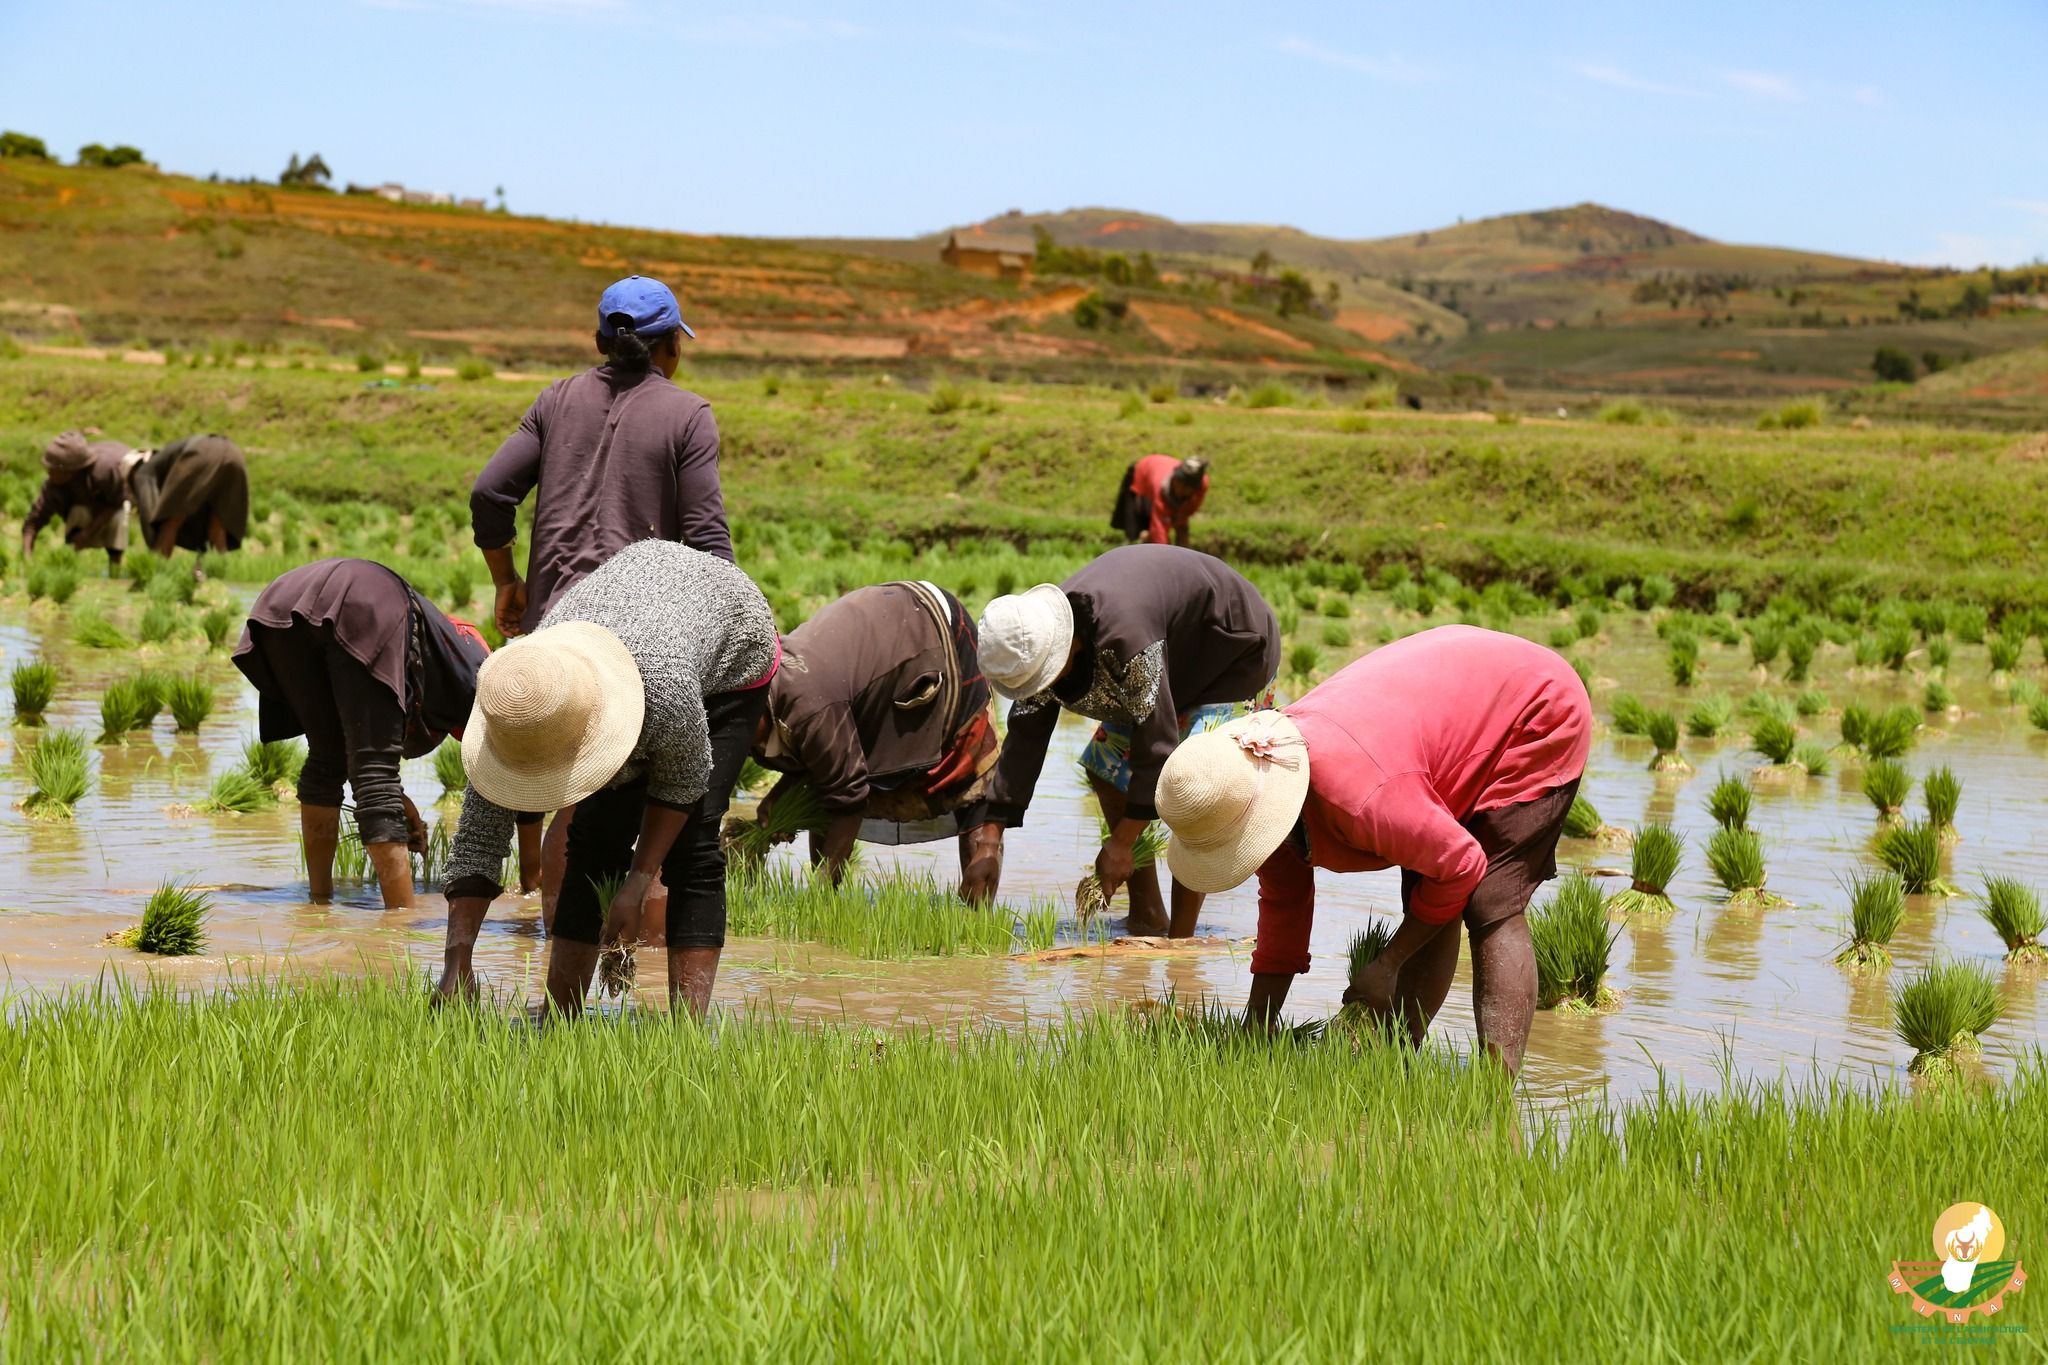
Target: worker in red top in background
<point>1454,755</point>
<point>1158,495</point>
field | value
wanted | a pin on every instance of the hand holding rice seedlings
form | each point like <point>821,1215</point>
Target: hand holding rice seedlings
<point>2013,910</point>
<point>1664,735</point>
<point>1736,858</point>
<point>1628,715</point>
<point>1573,940</point>
<point>173,922</point>
<point>448,768</point>
<point>1813,756</point>
<point>60,769</point>
<point>1938,696</point>
<point>1877,906</point>
<point>1367,945</point>
<point>216,624</point>
<point>191,701</point>
<point>1709,716</point>
<point>617,964</point>
<point>1887,784</point>
<point>1891,733</point>
<point>35,687</point>
<point>1941,1013</point>
<point>1774,738</point>
<point>92,630</point>
<point>237,791</point>
<point>795,809</point>
<point>1653,862</point>
<point>1914,852</point>
<point>1943,792</point>
<point>123,708</point>
<point>1730,803</point>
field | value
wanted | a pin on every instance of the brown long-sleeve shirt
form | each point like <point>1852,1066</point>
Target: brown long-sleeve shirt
<point>98,486</point>
<point>617,458</point>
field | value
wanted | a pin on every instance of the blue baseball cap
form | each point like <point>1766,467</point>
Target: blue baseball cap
<point>650,303</point>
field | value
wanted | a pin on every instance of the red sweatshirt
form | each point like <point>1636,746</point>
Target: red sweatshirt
<point>1403,745</point>
<point>1153,476</point>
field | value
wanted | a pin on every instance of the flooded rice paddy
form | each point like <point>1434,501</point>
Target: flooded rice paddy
<point>1710,991</point>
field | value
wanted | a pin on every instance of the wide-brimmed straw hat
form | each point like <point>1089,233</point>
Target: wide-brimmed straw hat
<point>1230,796</point>
<point>557,714</point>
<point>1025,639</point>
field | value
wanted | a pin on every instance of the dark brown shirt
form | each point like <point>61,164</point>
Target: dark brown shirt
<point>98,486</point>
<point>192,479</point>
<point>1163,630</point>
<point>617,458</point>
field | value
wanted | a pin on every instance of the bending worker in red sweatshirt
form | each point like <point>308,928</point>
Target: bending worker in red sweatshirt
<point>1453,755</point>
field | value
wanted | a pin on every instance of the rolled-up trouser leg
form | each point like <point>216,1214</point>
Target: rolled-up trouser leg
<point>600,847</point>
<point>373,730</point>
<point>695,867</point>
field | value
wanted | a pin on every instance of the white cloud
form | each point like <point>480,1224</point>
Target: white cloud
<point>2033,208</point>
<point>1615,76</point>
<point>1763,85</point>
<point>1398,70</point>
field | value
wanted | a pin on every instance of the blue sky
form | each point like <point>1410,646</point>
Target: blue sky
<point>1908,132</point>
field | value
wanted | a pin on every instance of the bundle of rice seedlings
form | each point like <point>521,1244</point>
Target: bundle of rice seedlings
<point>1813,756</point>
<point>35,687</point>
<point>1938,696</point>
<point>1877,906</point>
<point>173,922</point>
<point>1940,653</point>
<point>2037,713</point>
<point>1730,803</point>
<point>1943,792</point>
<point>159,623</point>
<point>53,582</point>
<point>124,707</point>
<point>1367,945</point>
<point>2005,653</point>
<point>60,770</point>
<point>94,631</point>
<point>1736,858</point>
<point>1303,659</point>
<point>274,764</point>
<point>1766,642</point>
<point>216,624</point>
<point>1685,660</point>
<point>2023,693</point>
<point>191,702</point>
<point>1653,862</point>
<point>756,778</point>
<point>1709,716</point>
<point>1664,734</point>
<point>1810,703</point>
<point>1774,738</point>
<point>797,810</point>
<point>1583,821</point>
<point>448,768</point>
<point>1627,714</point>
<point>1914,852</point>
<point>173,589</point>
<point>1894,645</point>
<point>1586,622</point>
<point>2013,911</point>
<point>1573,939</point>
<point>1762,703</point>
<point>1887,784</point>
<point>1800,647</point>
<point>1941,1012</point>
<point>236,791</point>
<point>351,859</point>
<point>1864,650</point>
<point>1856,720</point>
<point>1891,733</point>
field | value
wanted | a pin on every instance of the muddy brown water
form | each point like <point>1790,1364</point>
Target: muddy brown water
<point>1707,992</point>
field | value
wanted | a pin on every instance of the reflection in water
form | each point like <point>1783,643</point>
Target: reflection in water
<point>1757,992</point>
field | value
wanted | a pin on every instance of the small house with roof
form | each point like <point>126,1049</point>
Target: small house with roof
<point>992,254</point>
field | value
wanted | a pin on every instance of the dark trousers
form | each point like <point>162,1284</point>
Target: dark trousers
<point>607,824</point>
<point>355,728</point>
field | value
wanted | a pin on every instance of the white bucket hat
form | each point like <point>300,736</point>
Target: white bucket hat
<point>1230,797</point>
<point>557,714</point>
<point>1025,638</point>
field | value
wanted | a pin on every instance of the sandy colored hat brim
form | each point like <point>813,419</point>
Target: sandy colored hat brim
<point>1218,859</point>
<point>608,740</point>
<point>1061,614</point>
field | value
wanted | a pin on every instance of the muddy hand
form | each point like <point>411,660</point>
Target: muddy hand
<point>1373,990</point>
<point>622,917</point>
<point>1113,867</point>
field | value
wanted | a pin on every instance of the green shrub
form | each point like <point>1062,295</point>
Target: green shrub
<point>367,363</point>
<point>1631,412</point>
<point>1272,394</point>
<point>945,398</point>
<point>1794,416</point>
<point>1656,591</point>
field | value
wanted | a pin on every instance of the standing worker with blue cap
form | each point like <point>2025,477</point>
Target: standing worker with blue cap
<point>618,453</point>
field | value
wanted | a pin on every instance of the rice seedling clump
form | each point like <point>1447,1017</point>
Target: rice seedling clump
<point>1914,852</point>
<point>1573,939</point>
<point>216,624</point>
<point>448,769</point>
<point>1663,734</point>
<point>1628,715</point>
<point>1943,792</point>
<point>92,630</point>
<point>124,707</point>
<point>191,701</point>
<point>1775,738</point>
<point>159,622</point>
<point>35,687</point>
<point>1583,821</point>
<point>1942,1012</point>
<point>1367,944</point>
<point>1653,862</point>
<point>1813,756</point>
<point>1730,803</point>
<point>1708,717</point>
<point>1887,784</point>
<point>59,769</point>
<point>1891,733</point>
<point>237,791</point>
<point>1855,721</point>
<point>1736,858</point>
<point>173,922</point>
<point>1938,696</point>
<point>1877,906</point>
<point>275,764</point>
<point>2013,910</point>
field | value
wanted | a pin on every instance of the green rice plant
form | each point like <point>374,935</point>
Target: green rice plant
<point>1730,803</point>
<point>1336,606</point>
<point>92,630</point>
<point>2023,693</point>
<point>1709,716</point>
<point>1367,944</point>
<point>1685,660</point>
<point>1887,784</point>
<point>2005,653</point>
<point>172,589</point>
<point>2013,910</point>
<point>35,687</point>
<point>274,764</point>
<point>159,623</point>
<point>1895,646</point>
<point>1766,642</point>
<point>1653,862</point>
<point>1939,696</point>
<point>1856,719</point>
<point>1663,734</point>
<point>1774,738</point>
<point>1941,1013</point>
<point>351,859</point>
<point>59,773</point>
<point>1800,647</point>
<point>1627,714</point>
<point>1722,630</point>
<point>890,917</point>
<point>236,791</point>
<point>1814,757</point>
<point>1573,941</point>
<point>191,701</point>
<point>1303,659</point>
<point>1943,792</point>
<point>755,778</point>
<point>1586,622</point>
<point>1289,617</point>
<point>1865,651</point>
<point>56,583</point>
<point>448,769</point>
<point>1877,907</point>
<point>796,810</point>
<point>1810,703</point>
<point>173,922</point>
<point>1891,733</point>
<point>1914,852</point>
<point>1583,821</point>
<point>1940,653</point>
<point>1762,703</point>
<point>216,624</point>
<point>2037,713</point>
<point>124,708</point>
<point>1656,591</point>
<point>1336,635</point>
<point>1736,858</point>
<point>433,859</point>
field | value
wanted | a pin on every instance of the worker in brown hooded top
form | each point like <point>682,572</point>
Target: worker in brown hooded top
<point>85,491</point>
<point>192,494</point>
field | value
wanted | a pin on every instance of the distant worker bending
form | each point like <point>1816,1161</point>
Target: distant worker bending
<point>85,492</point>
<point>192,494</point>
<point>1158,497</point>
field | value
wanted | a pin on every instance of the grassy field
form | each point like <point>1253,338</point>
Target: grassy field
<point>455,1188</point>
<point>1891,510</point>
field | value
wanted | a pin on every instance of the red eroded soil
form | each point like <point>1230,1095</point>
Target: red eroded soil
<point>1374,326</point>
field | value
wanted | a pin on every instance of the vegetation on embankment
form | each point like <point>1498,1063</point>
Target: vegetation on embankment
<point>455,1187</point>
<point>1886,511</point>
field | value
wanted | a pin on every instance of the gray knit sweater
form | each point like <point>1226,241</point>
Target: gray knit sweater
<point>696,626</point>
